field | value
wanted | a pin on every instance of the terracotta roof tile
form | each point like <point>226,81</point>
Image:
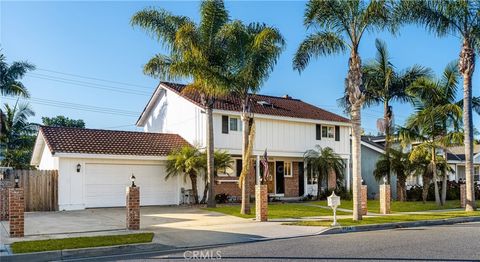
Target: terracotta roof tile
<point>110,142</point>
<point>263,104</point>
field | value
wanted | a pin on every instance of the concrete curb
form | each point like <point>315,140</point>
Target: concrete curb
<point>86,252</point>
<point>351,229</point>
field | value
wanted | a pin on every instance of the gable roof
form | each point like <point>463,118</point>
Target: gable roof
<point>261,104</point>
<point>109,142</point>
<point>369,141</point>
<point>457,153</point>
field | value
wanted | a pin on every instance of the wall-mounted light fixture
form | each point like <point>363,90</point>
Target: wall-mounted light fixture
<point>17,179</point>
<point>78,168</point>
<point>132,178</point>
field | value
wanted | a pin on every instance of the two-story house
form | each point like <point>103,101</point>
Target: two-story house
<point>95,165</point>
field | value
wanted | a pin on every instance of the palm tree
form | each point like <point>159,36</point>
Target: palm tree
<point>436,122</point>
<point>10,76</point>
<point>253,51</point>
<point>196,52</point>
<point>324,162</point>
<point>222,160</point>
<point>459,18</point>
<point>383,85</point>
<point>340,26</point>
<point>399,163</point>
<point>186,161</point>
<point>17,138</point>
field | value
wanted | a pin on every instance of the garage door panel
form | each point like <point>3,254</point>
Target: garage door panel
<point>105,185</point>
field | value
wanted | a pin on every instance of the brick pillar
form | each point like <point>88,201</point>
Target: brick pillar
<point>463,195</point>
<point>261,203</point>
<point>133,208</point>
<point>3,204</point>
<point>363,196</point>
<point>16,211</point>
<point>385,198</point>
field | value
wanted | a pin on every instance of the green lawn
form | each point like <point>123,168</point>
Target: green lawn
<point>410,206</point>
<point>79,242</point>
<point>390,219</point>
<point>278,211</point>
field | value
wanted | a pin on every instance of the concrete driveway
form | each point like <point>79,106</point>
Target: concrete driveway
<point>173,226</point>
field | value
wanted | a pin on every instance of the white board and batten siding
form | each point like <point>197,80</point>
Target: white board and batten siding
<point>175,115</point>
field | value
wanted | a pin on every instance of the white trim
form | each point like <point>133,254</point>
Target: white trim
<point>285,118</point>
<point>382,151</point>
<point>226,181</point>
<point>105,156</point>
<point>38,149</point>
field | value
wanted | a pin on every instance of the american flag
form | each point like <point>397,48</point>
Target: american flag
<point>266,172</point>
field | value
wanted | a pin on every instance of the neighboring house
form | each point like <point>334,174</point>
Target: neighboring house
<point>285,127</point>
<point>373,147</point>
<point>456,160</point>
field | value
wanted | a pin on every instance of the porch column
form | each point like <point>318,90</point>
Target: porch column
<point>456,172</point>
<point>258,170</point>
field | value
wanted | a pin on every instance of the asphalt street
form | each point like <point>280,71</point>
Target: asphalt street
<point>460,242</point>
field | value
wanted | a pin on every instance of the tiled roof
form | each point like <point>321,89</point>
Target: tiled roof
<point>263,104</point>
<point>110,142</point>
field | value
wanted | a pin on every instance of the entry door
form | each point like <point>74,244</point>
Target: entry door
<point>301,179</point>
<point>279,177</point>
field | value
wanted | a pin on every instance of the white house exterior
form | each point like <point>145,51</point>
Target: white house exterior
<point>95,166</point>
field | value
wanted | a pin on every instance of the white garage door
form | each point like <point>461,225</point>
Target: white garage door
<point>105,185</point>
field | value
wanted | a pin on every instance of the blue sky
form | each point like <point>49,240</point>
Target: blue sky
<point>88,57</point>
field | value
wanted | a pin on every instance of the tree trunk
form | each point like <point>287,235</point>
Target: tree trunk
<point>205,192</point>
<point>210,167</point>
<point>426,186</point>
<point>466,68</point>
<point>387,117</point>
<point>435,177</point>
<point>193,180</point>
<point>355,96</point>
<point>401,188</point>
<point>445,179</point>
<point>245,208</point>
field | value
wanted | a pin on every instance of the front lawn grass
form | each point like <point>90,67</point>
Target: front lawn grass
<point>389,219</point>
<point>278,211</point>
<point>397,206</point>
<point>79,242</point>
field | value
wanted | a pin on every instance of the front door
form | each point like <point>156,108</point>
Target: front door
<point>301,179</point>
<point>279,177</point>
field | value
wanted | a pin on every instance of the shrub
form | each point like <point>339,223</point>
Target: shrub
<point>222,198</point>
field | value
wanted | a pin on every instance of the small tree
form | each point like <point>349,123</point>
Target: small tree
<point>325,162</point>
<point>222,160</point>
<point>62,121</point>
<point>400,164</point>
<point>10,76</point>
<point>186,161</point>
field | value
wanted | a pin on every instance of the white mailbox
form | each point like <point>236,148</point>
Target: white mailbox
<point>333,201</point>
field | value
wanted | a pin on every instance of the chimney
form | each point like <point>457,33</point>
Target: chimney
<point>287,96</point>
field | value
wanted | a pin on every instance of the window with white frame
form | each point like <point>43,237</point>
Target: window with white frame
<point>234,124</point>
<point>328,131</point>
<point>288,169</point>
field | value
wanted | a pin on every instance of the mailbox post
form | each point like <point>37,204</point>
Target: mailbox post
<point>333,202</point>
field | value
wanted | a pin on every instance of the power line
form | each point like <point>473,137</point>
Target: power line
<point>92,78</point>
<point>89,85</point>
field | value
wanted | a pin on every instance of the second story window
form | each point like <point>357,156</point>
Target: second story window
<point>230,123</point>
<point>235,124</point>
<point>328,131</point>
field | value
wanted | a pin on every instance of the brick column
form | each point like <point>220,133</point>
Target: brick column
<point>16,211</point>
<point>363,195</point>
<point>385,198</point>
<point>261,203</point>
<point>133,208</point>
<point>463,195</point>
<point>3,204</point>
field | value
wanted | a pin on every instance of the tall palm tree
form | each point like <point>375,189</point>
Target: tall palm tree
<point>384,84</point>
<point>17,138</point>
<point>10,76</point>
<point>253,51</point>
<point>460,18</point>
<point>186,161</point>
<point>223,160</point>
<point>437,120</point>
<point>195,52</point>
<point>324,162</point>
<point>340,25</point>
